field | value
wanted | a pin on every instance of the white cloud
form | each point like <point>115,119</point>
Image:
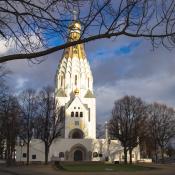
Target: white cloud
<point>5,47</point>
<point>20,82</point>
<point>11,47</point>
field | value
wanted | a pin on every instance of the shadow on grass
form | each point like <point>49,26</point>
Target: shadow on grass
<point>100,167</point>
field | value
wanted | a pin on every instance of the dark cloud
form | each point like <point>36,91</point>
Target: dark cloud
<point>25,74</point>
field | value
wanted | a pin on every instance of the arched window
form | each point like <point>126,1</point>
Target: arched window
<point>61,155</point>
<point>62,80</point>
<point>76,134</point>
<point>75,80</point>
<point>95,154</point>
<point>81,114</point>
<point>72,114</point>
<point>76,114</point>
<point>88,82</point>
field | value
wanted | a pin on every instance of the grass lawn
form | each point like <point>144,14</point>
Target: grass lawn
<point>88,167</point>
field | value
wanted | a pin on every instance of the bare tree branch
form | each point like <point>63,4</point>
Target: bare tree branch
<point>49,19</point>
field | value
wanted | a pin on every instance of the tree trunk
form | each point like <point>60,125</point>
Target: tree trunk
<point>28,138</point>
<point>8,150</point>
<point>46,153</point>
<point>162,154</point>
<point>125,155</point>
<point>155,149</point>
<point>130,155</point>
<point>28,153</point>
<point>8,154</point>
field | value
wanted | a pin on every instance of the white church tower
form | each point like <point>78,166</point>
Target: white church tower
<point>74,90</point>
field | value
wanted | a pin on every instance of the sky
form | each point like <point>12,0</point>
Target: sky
<point>120,67</point>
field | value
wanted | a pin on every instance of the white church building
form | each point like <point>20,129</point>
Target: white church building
<point>74,92</point>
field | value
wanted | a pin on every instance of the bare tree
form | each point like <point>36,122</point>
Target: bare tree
<point>161,126</point>
<point>170,150</point>
<point>28,105</point>
<point>31,24</point>
<point>51,115</point>
<point>153,132</point>
<point>128,115</point>
<point>146,144</point>
<point>10,115</point>
<point>4,94</point>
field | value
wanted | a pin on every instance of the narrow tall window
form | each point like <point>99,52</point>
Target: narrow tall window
<point>72,114</point>
<point>88,82</point>
<point>76,114</point>
<point>61,155</point>
<point>75,80</point>
<point>81,114</point>
<point>61,81</point>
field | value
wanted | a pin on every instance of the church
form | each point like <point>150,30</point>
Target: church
<point>74,92</point>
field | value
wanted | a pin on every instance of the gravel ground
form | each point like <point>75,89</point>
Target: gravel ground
<point>50,170</point>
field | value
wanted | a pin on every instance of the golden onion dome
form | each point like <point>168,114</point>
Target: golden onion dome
<point>75,25</point>
<point>76,51</point>
<point>76,91</point>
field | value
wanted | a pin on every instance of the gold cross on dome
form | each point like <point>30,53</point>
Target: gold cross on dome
<point>75,14</point>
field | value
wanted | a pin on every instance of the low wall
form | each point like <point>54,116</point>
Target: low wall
<point>145,161</point>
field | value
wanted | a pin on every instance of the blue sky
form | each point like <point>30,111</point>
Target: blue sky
<point>53,39</point>
<point>127,49</point>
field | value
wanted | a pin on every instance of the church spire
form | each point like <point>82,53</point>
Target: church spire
<point>75,15</point>
<point>74,28</point>
<point>74,74</point>
<point>76,51</point>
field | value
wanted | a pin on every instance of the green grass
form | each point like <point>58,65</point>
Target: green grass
<point>88,167</point>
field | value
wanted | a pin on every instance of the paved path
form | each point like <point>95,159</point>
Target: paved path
<point>49,170</point>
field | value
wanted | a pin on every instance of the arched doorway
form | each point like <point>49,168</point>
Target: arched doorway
<point>78,152</point>
<point>76,134</point>
<point>78,155</point>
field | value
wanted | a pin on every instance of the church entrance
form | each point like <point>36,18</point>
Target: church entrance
<point>78,152</point>
<point>78,155</point>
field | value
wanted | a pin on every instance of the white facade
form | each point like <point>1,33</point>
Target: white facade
<point>64,150</point>
<point>74,92</point>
